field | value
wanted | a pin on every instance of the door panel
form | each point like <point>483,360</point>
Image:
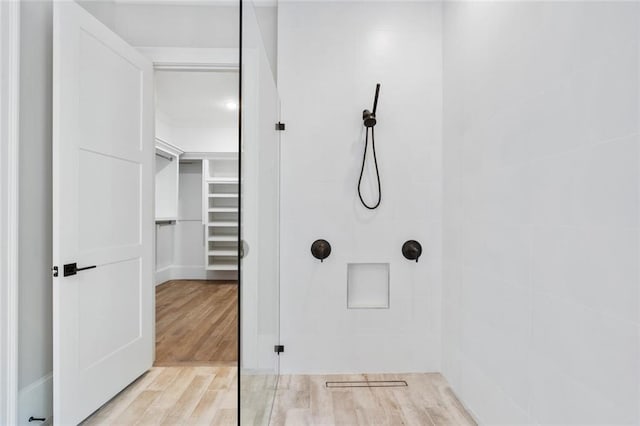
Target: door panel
<point>107,76</point>
<point>106,191</point>
<point>112,288</point>
<point>103,213</point>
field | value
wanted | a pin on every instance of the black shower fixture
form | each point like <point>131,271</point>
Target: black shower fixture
<point>369,117</point>
<point>321,249</point>
<point>369,120</point>
<point>412,250</point>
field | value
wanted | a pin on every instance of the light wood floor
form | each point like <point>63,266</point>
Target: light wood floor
<point>196,323</point>
<point>208,395</point>
<point>174,396</point>
<point>427,401</point>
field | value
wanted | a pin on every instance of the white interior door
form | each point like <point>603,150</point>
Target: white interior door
<point>102,214</point>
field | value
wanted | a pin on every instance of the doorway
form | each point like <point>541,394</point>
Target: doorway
<point>196,217</point>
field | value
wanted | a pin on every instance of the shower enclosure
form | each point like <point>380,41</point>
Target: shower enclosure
<point>259,221</point>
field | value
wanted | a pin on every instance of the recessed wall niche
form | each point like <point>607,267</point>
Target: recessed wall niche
<point>368,286</point>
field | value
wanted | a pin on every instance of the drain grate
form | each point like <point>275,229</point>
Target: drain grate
<point>367,384</point>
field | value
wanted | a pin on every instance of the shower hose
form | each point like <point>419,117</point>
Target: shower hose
<point>375,161</point>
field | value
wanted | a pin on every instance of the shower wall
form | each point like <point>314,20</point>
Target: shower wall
<point>330,56</point>
<point>541,184</point>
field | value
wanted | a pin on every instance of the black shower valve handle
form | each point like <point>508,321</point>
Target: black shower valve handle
<point>412,250</point>
<point>321,249</point>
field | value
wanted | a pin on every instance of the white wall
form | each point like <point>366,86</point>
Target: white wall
<point>163,130</point>
<point>330,56</point>
<point>197,139</point>
<point>169,25</point>
<point>541,246</point>
<point>35,307</point>
<point>194,139</point>
<point>173,25</point>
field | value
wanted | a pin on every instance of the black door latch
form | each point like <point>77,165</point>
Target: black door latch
<point>72,269</point>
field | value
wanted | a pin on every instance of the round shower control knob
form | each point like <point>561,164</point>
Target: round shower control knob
<point>412,250</point>
<point>321,249</point>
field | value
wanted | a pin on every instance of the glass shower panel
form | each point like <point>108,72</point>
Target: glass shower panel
<point>259,227</point>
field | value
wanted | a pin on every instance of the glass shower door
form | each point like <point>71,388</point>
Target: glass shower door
<point>259,227</point>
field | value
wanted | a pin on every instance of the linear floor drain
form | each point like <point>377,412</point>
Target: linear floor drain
<point>367,384</point>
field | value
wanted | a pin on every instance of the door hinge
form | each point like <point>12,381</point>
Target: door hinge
<point>278,349</point>
<point>279,126</point>
<point>54,271</point>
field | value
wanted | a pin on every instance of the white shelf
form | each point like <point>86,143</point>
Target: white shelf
<point>221,195</point>
<point>224,238</point>
<point>223,252</point>
<point>226,224</point>
<point>223,180</point>
<point>223,210</point>
<point>221,267</point>
<point>220,198</point>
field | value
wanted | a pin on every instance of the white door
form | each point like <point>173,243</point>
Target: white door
<point>102,214</point>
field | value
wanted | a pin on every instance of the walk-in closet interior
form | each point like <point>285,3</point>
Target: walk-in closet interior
<point>196,215</point>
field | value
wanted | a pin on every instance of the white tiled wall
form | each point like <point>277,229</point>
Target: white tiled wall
<point>541,293</point>
<point>330,56</point>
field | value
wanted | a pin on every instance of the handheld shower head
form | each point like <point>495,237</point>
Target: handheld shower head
<point>368,117</point>
<point>375,99</point>
<point>369,120</point>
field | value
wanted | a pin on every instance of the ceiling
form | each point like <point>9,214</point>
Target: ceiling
<point>197,99</point>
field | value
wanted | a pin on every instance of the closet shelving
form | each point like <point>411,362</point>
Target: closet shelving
<point>221,185</point>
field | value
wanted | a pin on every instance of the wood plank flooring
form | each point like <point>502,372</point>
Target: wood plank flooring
<point>174,396</point>
<point>208,395</point>
<point>196,323</point>
<point>426,401</point>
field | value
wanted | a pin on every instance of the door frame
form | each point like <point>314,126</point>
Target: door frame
<point>191,59</point>
<point>9,166</point>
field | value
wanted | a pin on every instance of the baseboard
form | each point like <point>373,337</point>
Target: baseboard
<point>186,272</point>
<point>163,275</point>
<point>36,400</point>
<point>182,272</point>
<point>223,275</point>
